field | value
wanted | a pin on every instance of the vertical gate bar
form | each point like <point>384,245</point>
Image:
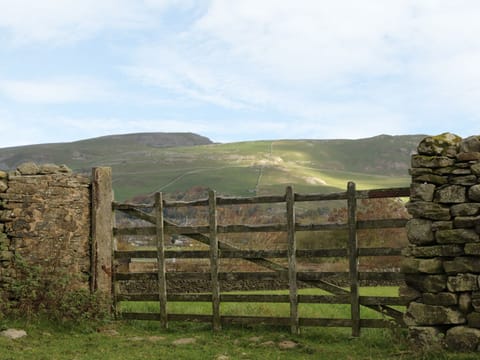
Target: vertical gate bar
<point>160,242</point>
<point>115,287</point>
<point>212,210</point>
<point>353,258</point>
<point>292,262</point>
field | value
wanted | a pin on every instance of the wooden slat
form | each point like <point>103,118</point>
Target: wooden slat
<point>383,193</point>
<point>381,224</point>
<point>321,197</point>
<point>130,206</point>
<point>173,204</point>
<point>292,261</point>
<point>250,200</point>
<point>253,254</point>
<point>160,243</point>
<point>353,258</point>
<point>212,211</point>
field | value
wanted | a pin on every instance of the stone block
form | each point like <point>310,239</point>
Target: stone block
<point>426,161</point>
<point>468,180</point>
<point>3,174</point>
<point>431,179</point>
<point>465,302</point>
<point>426,283</point>
<point>469,144</point>
<point>466,209</point>
<point>450,194</point>
<point>422,192</point>
<point>475,169</point>
<point>427,266</point>
<point>476,300</point>
<point>472,249</point>
<point>443,298</point>
<point>28,168</point>
<point>442,225</point>
<point>456,236</point>
<point>474,193</point>
<point>446,144</point>
<point>469,156</point>
<point>426,336</point>
<point>473,319</point>
<point>408,292</point>
<point>436,250</point>
<point>462,264</point>
<point>3,185</point>
<point>466,221</point>
<point>428,210</point>
<point>462,338</point>
<point>419,231</point>
<point>419,314</point>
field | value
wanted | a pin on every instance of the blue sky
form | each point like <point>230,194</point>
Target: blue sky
<point>238,70</point>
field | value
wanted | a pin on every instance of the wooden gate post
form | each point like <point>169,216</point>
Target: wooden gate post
<point>353,258</point>
<point>212,204</point>
<point>160,243</point>
<point>102,243</point>
<point>292,260</point>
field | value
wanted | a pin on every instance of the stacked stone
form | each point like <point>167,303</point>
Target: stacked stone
<point>6,254</point>
<point>45,219</point>
<point>442,267</point>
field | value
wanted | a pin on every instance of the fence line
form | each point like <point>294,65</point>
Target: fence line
<point>221,250</point>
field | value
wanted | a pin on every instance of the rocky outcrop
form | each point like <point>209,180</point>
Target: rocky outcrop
<point>442,262</point>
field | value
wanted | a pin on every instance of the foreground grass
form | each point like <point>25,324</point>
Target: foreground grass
<point>146,340</point>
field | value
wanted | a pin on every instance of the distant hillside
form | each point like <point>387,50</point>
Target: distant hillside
<point>149,162</point>
<point>91,150</point>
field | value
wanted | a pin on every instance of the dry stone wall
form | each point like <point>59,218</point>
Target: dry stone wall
<point>442,267</point>
<point>45,221</point>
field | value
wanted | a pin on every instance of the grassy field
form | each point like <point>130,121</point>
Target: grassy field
<point>146,340</point>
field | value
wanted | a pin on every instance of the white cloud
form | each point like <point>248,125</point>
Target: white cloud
<point>65,21</point>
<point>55,91</point>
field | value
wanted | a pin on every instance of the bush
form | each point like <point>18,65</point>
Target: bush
<point>51,293</point>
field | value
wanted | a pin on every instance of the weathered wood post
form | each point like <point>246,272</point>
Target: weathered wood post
<point>160,243</point>
<point>212,204</point>
<point>353,258</point>
<point>102,243</point>
<point>292,260</point>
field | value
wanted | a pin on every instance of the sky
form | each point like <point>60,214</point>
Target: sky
<point>238,70</point>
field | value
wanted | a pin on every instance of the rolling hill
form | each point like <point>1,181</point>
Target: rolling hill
<point>169,162</point>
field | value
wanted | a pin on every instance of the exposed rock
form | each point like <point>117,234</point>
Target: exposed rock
<point>450,194</point>
<point>3,185</point>
<point>474,319</point>
<point>466,221</point>
<point>474,193</point>
<point>428,210</point>
<point>427,266</point>
<point>456,236</point>
<point>426,283</point>
<point>28,168</point>
<point>287,345</point>
<point>472,249</point>
<point>462,282</point>
<point>419,231</point>
<point>422,314</point>
<point>222,357</point>
<point>268,343</point>
<point>470,144</point>
<point>184,341</point>
<point>436,250</point>
<point>475,168</point>
<point>445,144</point>
<point>48,169</point>
<point>465,302</point>
<point>443,298</point>
<point>423,161</point>
<point>13,334</point>
<point>462,264</point>
<point>422,192</point>
<point>423,336</point>
<point>462,338</point>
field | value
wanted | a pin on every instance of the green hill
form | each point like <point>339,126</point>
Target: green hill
<point>149,162</point>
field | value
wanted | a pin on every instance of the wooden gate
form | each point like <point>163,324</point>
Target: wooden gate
<point>345,289</point>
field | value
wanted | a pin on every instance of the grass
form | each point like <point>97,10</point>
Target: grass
<point>147,340</point>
